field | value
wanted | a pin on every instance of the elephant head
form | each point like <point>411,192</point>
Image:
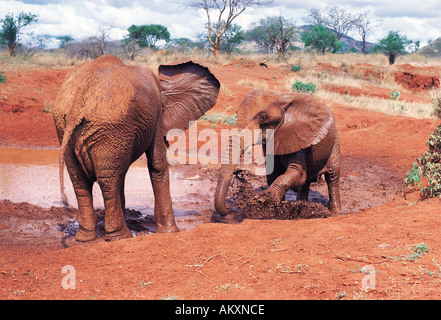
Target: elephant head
<point>298,121</point>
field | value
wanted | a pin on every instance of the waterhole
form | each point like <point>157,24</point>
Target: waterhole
<point>32,176</point>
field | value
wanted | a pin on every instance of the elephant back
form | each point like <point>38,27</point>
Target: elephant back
<point>102,89</point>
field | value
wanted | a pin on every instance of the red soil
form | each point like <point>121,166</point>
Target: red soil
<point>416,82</point>
<point>253,259</point>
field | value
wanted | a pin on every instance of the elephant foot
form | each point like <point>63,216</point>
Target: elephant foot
<point>334,210</point>
<point>273,194</point>
<point>167,228</point>
<point>84,235</point>
<point>124,233</point>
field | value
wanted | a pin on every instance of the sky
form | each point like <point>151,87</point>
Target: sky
<point>418,20</point>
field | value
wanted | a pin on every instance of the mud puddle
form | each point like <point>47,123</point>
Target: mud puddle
<point>30,176</point>
<point>31,211</point>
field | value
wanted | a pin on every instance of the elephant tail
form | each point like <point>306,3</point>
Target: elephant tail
<point>65,142</point>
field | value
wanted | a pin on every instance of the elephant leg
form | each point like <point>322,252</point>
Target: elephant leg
<point>111,183</point>
<point>83,190</point>
<point>293,178</point>
<point>159,176</point>
<point>87,216</point>
<point>276,172</point>
<point>332,179</point>
<point>303,194</point>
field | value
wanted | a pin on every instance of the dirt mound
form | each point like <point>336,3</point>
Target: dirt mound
<point>416,82</point>
<point>255,204</point>
<point>264,208</point>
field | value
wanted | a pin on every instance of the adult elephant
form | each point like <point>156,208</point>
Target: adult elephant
<point>107,115</point>
<point>305,144</point>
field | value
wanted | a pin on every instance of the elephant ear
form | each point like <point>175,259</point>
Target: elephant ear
<point>189,90</point>
<point>306,122</point>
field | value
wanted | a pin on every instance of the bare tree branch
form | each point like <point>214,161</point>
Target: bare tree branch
<point>226,10</point>
<point>365,23</point>
<point>334,17</point>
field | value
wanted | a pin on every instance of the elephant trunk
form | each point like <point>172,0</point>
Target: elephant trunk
<point>229,161</point>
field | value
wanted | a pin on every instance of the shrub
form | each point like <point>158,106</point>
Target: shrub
<point>425,171</point>
<point>420,249</point>
<point>395,95</point>
<point>2,77</point>
<point>295,68</point>
<point>299,86</point>
<point>427,168</point>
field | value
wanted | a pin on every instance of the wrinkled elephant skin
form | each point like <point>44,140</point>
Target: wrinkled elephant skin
<point>107,115</point>
<point>305,141</point>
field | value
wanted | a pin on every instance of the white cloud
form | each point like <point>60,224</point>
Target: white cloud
<point>418,20</point>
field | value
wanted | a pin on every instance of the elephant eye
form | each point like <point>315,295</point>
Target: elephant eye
<point>263,118</point>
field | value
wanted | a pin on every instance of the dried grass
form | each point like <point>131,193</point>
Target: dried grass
<point>352,72</point>
<point>255,84</point>
<point>393,107</point>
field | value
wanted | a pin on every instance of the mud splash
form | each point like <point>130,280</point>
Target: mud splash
<point>253,203</point>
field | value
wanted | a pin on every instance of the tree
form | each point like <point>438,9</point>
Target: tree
<point>147,35</point>
<point>87,48</point>
<point>182,44</point>
<point>259,35</point>
<point>334,17</point>
<point>321,39</point>
<point>417,45</point>
<point>222,10</point>
<point>365,23</point>
<point>392,46</point>
<point>274,33</point>
<point>102,37</point>
<point>11,26</point>
<point>64,41</point>
<point>233,36</point>
<point>132,49</point>
<point>315,17</point>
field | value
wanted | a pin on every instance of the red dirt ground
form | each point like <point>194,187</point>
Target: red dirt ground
<point>226,259</point>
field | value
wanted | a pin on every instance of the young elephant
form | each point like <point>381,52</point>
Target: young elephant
<point>305,141</point>
<point>107,114</point>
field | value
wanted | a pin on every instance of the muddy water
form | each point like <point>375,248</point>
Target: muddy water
<point>31,175</point>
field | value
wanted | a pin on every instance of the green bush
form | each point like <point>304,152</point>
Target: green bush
<point>2,77</point>
<point>395,95</point>
<point>295,68</point>
<point>299,86</point>
<point>425,171</point>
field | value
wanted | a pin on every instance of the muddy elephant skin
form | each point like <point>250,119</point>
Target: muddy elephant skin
<point>305,140</point>
<point>107,115</point>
